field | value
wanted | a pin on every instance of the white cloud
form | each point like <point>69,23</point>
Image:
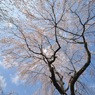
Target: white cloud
<point>2,82</point>
<point>15,80</point>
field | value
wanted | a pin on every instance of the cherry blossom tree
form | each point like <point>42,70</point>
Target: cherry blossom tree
<point>51,41</point>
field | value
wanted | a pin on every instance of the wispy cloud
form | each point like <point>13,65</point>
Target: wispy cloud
<point>2,82</point>
<point>15,79</point>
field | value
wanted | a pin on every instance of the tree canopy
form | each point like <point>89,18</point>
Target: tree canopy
<point>51,41</point>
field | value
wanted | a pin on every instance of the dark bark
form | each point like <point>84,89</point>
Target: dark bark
<point>57,86</point>
<point>77,74</point>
